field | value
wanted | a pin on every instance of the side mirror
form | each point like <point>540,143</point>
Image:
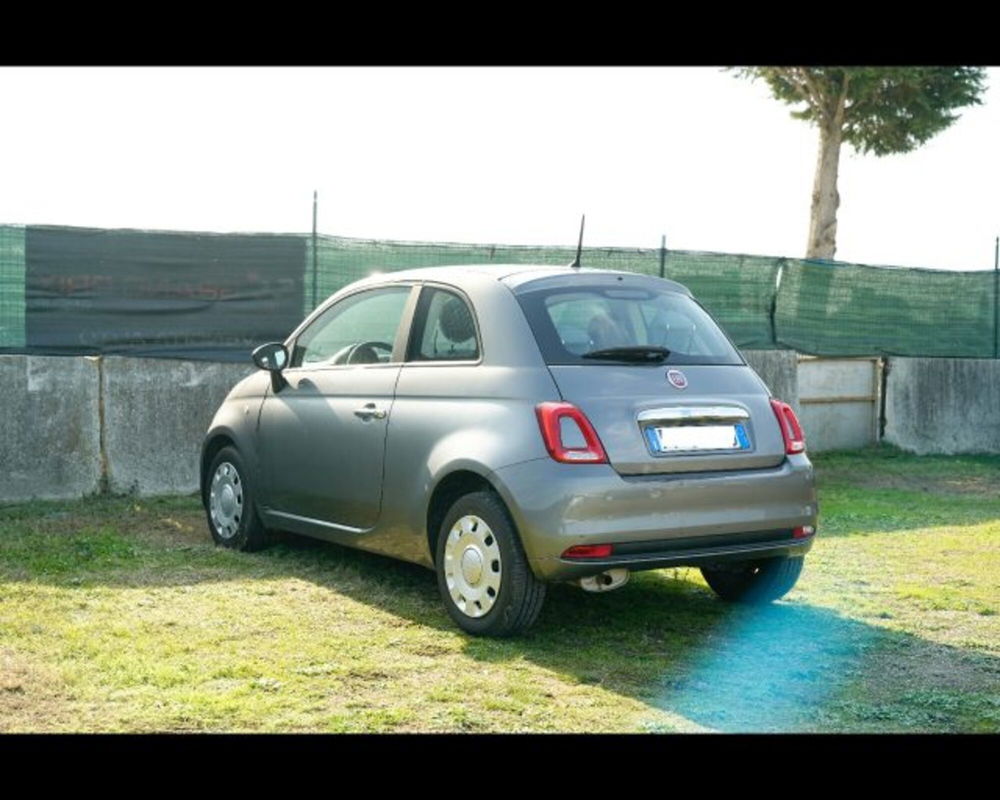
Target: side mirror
<point>273,357</point>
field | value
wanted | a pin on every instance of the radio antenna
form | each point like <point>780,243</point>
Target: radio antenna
<point>579,245</point>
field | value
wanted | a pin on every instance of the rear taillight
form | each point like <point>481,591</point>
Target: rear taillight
<point>550,420</point>
<point>803,532</point>
<point>791,431</point>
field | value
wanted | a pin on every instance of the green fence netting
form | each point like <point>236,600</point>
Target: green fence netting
<point>739,290</point>
<point>820,308</point>
<point>340,261</point>
<point>11,286</point>
<point>838,309</point>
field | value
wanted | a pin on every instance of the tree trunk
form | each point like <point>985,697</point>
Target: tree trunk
<point>825,198</point>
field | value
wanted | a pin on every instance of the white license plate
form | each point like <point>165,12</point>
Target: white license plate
<point>700,437</point>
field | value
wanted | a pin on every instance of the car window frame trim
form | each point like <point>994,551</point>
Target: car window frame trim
<point>398,345</point>
<point>419,320</point>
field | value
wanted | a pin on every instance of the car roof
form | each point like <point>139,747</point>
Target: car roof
<point>518,276</point>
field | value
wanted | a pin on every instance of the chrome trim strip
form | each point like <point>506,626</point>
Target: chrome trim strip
<point>311,521</point>
<point>694,412</point>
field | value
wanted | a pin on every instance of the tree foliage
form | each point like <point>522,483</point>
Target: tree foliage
<point>879,110</point>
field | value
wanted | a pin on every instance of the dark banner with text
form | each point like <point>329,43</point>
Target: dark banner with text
<point>175,295</point>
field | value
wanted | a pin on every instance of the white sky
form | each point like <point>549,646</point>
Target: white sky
<point>480,155</point>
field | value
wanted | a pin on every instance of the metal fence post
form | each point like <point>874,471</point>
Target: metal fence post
<point>773,310</point>
<point>996,298</point>
<point>315,286</point>
<point>663,255</point>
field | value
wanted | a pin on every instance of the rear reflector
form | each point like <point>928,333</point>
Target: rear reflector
<point>791,431</point>
<point>803,532</point>
<point>550,419</point>
<point>588,551</point>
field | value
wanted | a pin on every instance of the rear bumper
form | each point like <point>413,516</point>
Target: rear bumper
<point>667,553</point>
<point>656,521</point>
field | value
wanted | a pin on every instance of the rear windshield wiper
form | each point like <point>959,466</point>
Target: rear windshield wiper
<point>639,353</point>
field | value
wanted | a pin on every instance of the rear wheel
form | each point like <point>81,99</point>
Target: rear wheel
<point>754,581</point>
<point>230,504</point>
<point>486,584</point>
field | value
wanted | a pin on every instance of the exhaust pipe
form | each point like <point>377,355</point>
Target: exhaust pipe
<point>606,581</point>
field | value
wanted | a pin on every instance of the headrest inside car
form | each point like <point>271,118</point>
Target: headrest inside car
<point>456,321</point>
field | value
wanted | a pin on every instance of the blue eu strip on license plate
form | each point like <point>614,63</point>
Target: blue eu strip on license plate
<point>653,439</point>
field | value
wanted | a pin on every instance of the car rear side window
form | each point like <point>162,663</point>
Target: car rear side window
<point>445,328</point>
<point>360,329</point>
<point>570,323</point>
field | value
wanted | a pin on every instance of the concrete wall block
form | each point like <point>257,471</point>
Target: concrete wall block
<point>834,377</point>
<point>779,370</point>
<point>943,405</point>
<point>156,412</point>
<point>838,426</point>
<point>50,440</point>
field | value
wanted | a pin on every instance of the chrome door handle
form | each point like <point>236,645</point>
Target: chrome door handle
<point>369,412</point>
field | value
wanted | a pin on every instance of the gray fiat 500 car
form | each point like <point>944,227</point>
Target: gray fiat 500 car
<point>511,426</point>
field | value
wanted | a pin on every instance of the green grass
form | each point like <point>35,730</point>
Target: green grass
<point>118,614</point>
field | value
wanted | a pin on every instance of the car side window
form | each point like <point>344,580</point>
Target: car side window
<point>446,328</point>
<point>360,329</point>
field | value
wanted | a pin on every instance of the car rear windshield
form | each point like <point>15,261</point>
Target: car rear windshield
<point>613,325</point>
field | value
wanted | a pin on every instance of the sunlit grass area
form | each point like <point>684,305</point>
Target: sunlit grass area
<point>120,615</point>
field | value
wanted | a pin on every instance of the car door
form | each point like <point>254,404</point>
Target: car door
<point>322,434</point>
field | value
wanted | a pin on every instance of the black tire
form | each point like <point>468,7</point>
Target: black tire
<point>754,582</point>
<point>520,596</point>
<point>243,530</point>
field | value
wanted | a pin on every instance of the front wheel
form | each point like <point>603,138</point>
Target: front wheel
<point>754,582</point>
<point>486,584</point>
<point>230,503</point>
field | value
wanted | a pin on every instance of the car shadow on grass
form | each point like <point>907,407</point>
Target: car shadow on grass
<point>670,643</point>
<point>667,641</point>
